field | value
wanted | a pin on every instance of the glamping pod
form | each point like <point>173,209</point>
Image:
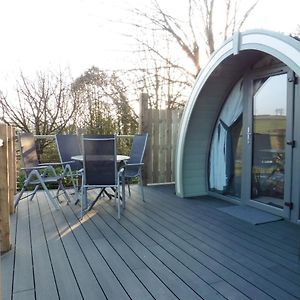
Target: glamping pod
<point>239,137</point>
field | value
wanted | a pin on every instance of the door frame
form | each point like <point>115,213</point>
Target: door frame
<point>295,212</point>
<point>247,147</point>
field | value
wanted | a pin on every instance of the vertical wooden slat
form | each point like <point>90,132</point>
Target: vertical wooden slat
<point>169,146</point>
<point>162,126</point>
<point>149,167</point>
<point>159,150</point>
<point>144,126</point>
<point>155,145</point>
<point>162,145</point>
<point>174,140</point>
<point>11,168</point>
<point>14,159</point>
<point>4,192</point>
<point>143,120</point>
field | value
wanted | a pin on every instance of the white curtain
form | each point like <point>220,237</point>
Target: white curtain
<point>220,151</point>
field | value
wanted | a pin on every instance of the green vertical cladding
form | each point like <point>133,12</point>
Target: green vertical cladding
<point>212,86</point>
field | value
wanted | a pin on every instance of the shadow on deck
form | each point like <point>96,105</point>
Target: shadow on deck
<point>166,248</point>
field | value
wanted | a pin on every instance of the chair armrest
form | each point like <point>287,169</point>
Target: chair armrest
<point>68,162</point>
<point>121,171</point>
<point>57,163</point>
<point>133,165</point>
<point>35,168</point>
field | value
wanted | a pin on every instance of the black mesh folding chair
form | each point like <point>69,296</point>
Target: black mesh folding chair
<point>69,146</point>
<point>38,175</point>
<point>100,168</point>
<point>133,166</point>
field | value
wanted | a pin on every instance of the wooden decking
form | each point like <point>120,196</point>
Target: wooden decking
<point>166,248</point>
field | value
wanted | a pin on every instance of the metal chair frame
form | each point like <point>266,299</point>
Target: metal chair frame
<point>133,166</point>
<point>68,146</point>
<point>104,162</point>
<point>38,174</point>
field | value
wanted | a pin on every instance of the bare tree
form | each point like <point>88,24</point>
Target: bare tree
<point>171,48</point>
<point>196,32</point>
<point>43,106</point>
<point>162,82</point>
<point>235,16</point>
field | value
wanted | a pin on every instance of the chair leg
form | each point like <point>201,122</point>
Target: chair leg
<point>26,183</point>
<point>50,197</point>
<point>97,198</point>
<point>20,195</point>
<point>78,186</point>
<point>107,194</point>
<point>117,191</point>
<point>141,187</point>
<point>123,191</point>
<point>83,201</point>
<point>128,184</point>
<point>34,192</point>
<point>68,168</point>
<point>57,192</point>
<point>79,193</point>
<point>65,192</point>
<point>48,194</point>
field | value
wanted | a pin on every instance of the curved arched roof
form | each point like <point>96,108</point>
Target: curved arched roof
<point>212,85</point>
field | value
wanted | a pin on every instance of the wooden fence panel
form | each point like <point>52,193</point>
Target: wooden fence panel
<point>4,191</point>
<point>161,151</point>
<point>169,144</point>
<point>12,177</point>
<point>162,126</point>
<point>154,123</point>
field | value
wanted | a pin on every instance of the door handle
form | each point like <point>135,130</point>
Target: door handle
<point>249,134</point>
<point>289,205</point>
<point>291,143</point>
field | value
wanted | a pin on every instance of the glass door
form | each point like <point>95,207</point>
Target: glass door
<point>269,131</point>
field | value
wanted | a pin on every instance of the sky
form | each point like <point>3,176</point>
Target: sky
<point>275,88</point>
<point>38,35</point>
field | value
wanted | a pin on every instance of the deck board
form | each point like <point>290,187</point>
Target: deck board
<point>88,238</point>
<point>173,255</point>
<point>24,295</point>
<point>128,281</point>
<point>237,231</point>
<point>220,223</point>
<point>139,269</point>
<point>65,279</point>
<point>203,257</point>
<point>45,284</point>
<point>7,263</point>
<point>216,237</point>
<point>165,248</point>
<point>179,288</point>
<point>85,278</point>
<point>23,272</point>
<point>246,268</point>
<point>174,264</point>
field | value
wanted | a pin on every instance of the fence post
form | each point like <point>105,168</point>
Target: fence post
<point>144,127</point>
<point>15,167</point>
<point>4,191</point>
<point>169,147</point>
<point>11,167</point>
<point>143,120</point>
